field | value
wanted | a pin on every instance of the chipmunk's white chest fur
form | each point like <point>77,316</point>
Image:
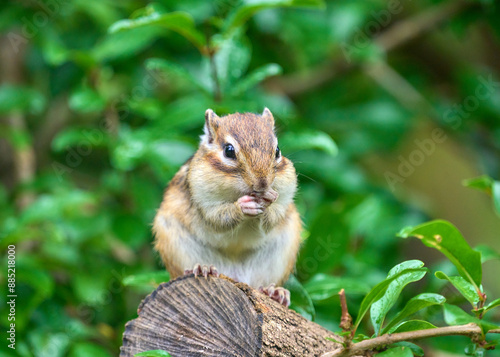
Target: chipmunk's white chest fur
<point>246,254</point>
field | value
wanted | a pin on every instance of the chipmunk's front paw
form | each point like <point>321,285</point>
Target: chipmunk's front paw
<point>250,205</point>
<point>270,196</point>
<point>278,294</point>
<point>203,270</point>
<point>266,198</point>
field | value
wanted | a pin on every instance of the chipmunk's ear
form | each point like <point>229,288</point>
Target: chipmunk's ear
<point>211,125</point>
<point>266,114</point>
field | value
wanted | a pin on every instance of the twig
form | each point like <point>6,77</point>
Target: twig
<point>345,320</point>
<point>215,76</point>
<point>366,345</point>
<point>417,25</point>
<point>397,86</point>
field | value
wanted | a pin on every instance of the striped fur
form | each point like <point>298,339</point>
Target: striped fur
<point>200,221</point>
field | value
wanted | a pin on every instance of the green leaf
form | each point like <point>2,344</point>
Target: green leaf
<point>150,279</point>
<point>496,195</point>
<point>492,305</point>
<point>86,100</point>
<point>381,307</point>
<point>53,207</point>
<point>412,325</point>
<point>334,340</point>
<point>453,315</point>
<point>130,229</point>
<point>378,291</point>
<point>358,338</point>
<point>491,344</point>
<point>73,136</point>
<point>164,154</point>
<point>86,349</point>
<point>301,301</point>
<point>482,183</point>
<point>54,50</point>
<point>254,78</point>
<point>463,286</point>
<point>415,304</point>
<point>488,185</point>
<point>41,286</point>
<point>447,239</point>
<point>231,59</point>
<point>397,352</point>
<point>470,349</point>
<point>89,288</point>
<point>153,353</point>
<point>306,140</point>
<point>178,21</point>
<point>48,343</point>
<point>417,351</point>
<point>487,253</point>
<point>241,14</point>
<point>170,68</point>
<point>130,150</point>
<point>323,287</point>
<point>20,99</point>
<point>125,44</point>
<point>326,245</point>
<point>186,112</point>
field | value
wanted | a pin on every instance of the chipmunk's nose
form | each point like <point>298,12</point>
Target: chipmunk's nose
<point>260,185</point>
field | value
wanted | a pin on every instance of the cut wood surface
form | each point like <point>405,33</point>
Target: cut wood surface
<point>218,317</point>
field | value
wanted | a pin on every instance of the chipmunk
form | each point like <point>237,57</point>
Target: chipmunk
<point>231,206</point>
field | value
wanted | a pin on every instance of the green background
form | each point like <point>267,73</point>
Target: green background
<point>384,107</point>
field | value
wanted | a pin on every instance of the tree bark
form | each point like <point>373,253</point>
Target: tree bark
<point>218,317</point>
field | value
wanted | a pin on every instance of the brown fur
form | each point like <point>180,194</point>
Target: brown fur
<point>200,215</point>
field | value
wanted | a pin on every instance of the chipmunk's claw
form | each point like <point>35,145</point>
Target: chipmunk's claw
<point>278,294</point>
<point>203,270</point>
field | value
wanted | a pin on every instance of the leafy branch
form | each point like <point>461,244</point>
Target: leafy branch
<point>446,238</point>
<point>472,330</point>
<point>223,49</point>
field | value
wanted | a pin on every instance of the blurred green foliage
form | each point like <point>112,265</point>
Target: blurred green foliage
<point>101,102</point>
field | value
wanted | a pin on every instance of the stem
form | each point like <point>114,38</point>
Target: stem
<point>210,51</point>
<point>388,339</point>
<point>408,29</point>
<point>482,301</point>
<point>345,320</point>
<point>215,77</point>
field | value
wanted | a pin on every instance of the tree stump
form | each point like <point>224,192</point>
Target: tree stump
<point>219,317</point>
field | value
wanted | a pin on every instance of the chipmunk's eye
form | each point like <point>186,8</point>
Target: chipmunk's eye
<point>278,152</point>
<point>229,151</point>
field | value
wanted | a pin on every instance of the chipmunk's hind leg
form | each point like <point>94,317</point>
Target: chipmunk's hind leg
<point>278,294</point>
<point>204,270</point>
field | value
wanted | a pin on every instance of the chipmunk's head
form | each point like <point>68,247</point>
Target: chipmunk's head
<point>243,147</point>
